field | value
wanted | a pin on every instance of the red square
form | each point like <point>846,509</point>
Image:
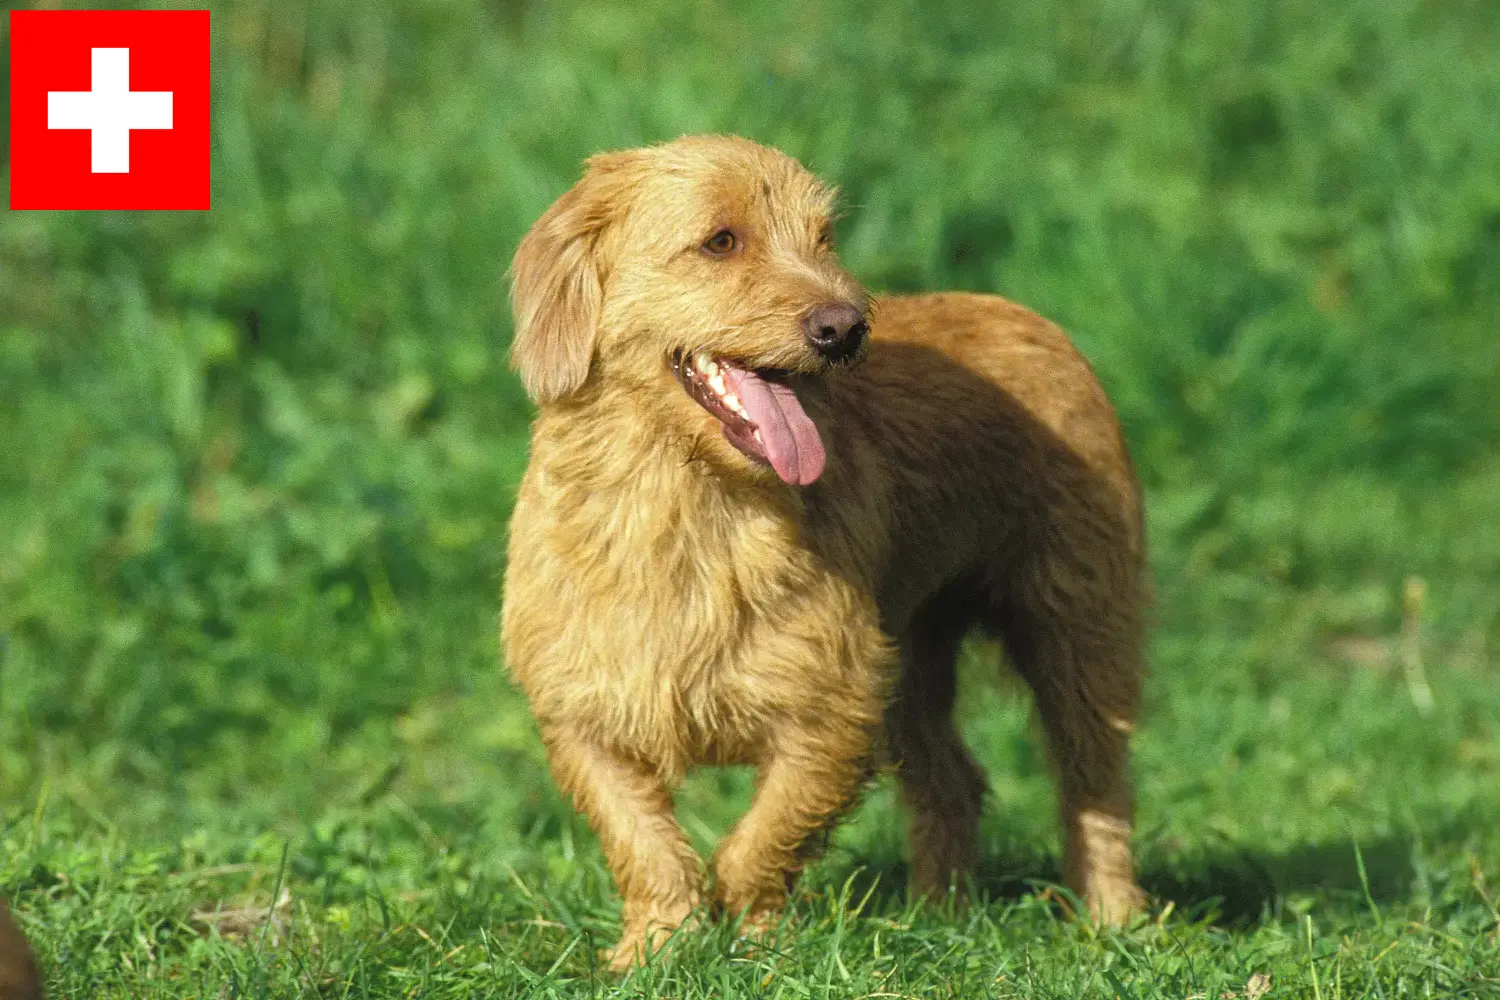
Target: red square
<point>109,109</point>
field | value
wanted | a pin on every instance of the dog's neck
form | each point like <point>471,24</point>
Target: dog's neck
<point>603,441</point>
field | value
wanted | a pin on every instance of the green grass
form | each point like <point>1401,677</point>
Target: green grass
<point>256,464</point>
<point>1310,829</point>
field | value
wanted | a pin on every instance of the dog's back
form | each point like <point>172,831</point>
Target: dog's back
<point>974,432</point>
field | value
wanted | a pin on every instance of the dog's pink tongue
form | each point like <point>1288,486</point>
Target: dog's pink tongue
<point>790,438</point>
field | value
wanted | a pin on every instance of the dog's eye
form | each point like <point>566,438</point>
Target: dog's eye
<point>721,244</point>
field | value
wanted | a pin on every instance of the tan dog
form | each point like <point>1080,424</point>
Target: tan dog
<point>756,527</point>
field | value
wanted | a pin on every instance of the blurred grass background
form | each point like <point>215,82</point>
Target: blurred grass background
<point>256,463</point>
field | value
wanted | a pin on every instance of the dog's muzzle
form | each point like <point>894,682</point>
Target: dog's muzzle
<point>835,330</point>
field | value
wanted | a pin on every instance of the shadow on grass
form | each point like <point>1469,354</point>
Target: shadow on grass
<point>1225,886</point>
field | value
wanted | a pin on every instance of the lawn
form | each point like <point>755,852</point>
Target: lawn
<point>256,465</point>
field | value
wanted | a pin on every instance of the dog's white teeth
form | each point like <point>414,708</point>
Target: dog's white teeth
<point>714,375</point>
<point>758,439</point>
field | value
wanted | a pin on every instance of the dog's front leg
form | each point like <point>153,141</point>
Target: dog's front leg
<point>659,875</point>
<point>802,788</point>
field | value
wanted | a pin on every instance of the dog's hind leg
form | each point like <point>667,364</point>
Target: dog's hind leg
<point>941,784</point>
<point>1078,646</point>
<point>659,875</point>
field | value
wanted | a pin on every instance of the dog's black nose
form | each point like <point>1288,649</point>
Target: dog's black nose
<point>835,329</point>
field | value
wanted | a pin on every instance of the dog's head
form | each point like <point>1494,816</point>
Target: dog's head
<point>704,265</point>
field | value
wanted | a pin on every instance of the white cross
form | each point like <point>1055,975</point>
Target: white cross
<point>110,110</point>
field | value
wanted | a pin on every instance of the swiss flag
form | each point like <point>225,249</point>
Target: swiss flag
<point>109,109</point>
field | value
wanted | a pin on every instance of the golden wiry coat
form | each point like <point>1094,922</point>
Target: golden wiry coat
<point>670,603</point>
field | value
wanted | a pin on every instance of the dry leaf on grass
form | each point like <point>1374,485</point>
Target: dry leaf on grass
<point>242,920</point>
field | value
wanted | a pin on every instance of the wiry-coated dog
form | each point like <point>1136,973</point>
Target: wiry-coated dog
<point>762,512</point>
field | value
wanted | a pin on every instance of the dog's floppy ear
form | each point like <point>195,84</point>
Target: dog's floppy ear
<point>557,283</point>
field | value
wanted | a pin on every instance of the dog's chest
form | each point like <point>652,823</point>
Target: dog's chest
<point>654,620</point>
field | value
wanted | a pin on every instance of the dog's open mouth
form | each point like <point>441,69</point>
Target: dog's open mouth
<point>761,415</point>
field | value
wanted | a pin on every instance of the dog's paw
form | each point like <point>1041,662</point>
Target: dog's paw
<point>1115,902</point>
<point>639,943</point>
<point>631,951</point>
<point>634,949</point>
<point>755,933</point>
